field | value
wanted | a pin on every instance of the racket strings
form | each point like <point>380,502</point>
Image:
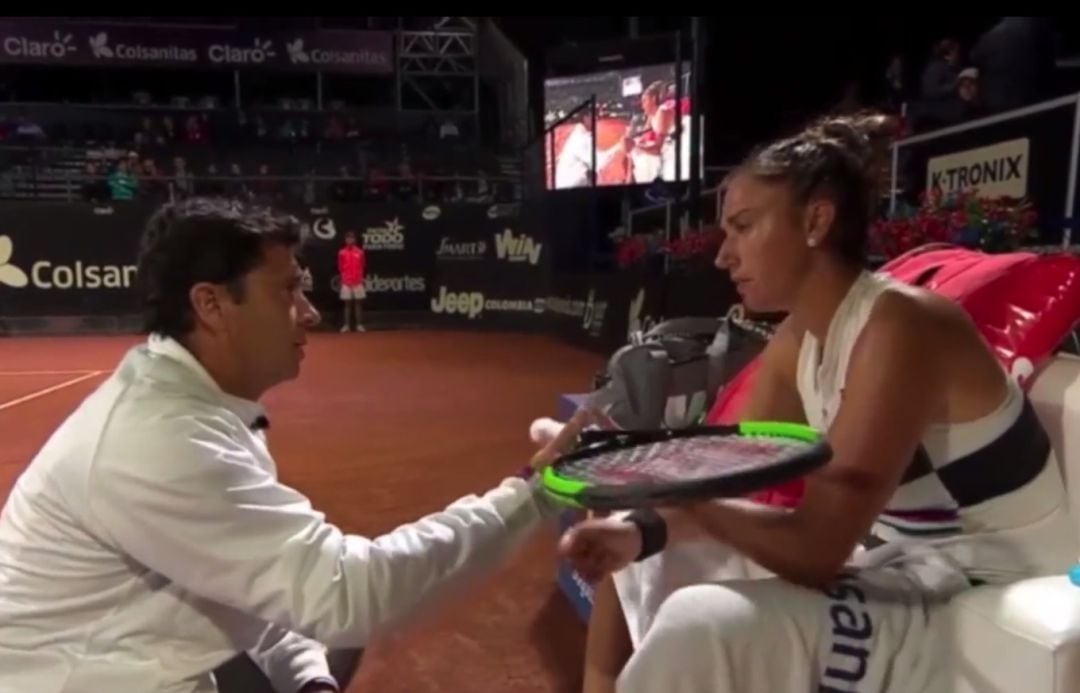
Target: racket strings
<point>683,459</point>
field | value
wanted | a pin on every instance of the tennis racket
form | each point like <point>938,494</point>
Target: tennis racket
<point>617,469</point>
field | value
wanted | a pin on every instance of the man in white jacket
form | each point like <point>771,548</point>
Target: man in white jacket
<point>150,541</point>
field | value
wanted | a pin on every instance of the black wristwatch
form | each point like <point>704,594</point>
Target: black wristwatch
<point>653,530</point>
<point>319,682</point>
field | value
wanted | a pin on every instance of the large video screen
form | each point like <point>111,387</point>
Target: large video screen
<point>636,114</point>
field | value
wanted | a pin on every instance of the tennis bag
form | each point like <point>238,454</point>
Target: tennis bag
<point>668,377</point>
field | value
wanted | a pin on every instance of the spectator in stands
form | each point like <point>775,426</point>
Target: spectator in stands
<point>206,127</point>
<point>147,134</point>
<point>483,188</point>
<point>261,131</point>
<point>193,132</point>
<point>334,130</point>
<point>94,187</point>
<point>287,131</point>
<point>265,186</point>
<point>1015,59</point>
<point>344,188</point>
<point>405,186</point>
<point>378,187</point>
<point>939,76</point>
<point>967,95</point>
<point>449,130</point>
<point>456,190</point>
<point>237,187</point>
<point>27,131</point>
<point>152,184</point>
<point>894,84</point>
<point>308,190</point>
<point>183,185</point>
<point>211,185</point>
<point>123,185</point>
<point>168,129</point>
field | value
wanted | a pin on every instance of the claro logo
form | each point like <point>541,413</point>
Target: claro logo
<point>45,274</point>
<point>22,47</point>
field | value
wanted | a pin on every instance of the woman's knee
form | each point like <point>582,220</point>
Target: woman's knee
<point>710,632</point>
<point>691,626</point>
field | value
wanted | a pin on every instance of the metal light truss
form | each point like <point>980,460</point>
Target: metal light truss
<point>437,69</point>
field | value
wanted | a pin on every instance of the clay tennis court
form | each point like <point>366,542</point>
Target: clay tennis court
<point>379,429</point>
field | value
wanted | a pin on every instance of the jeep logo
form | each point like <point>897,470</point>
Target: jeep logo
<point>467,303</point>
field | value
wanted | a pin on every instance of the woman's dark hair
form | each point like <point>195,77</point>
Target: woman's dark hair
<point>202,240</point>
<point>838,158</point>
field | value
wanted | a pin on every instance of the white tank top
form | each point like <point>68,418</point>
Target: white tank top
<point>988,492</point>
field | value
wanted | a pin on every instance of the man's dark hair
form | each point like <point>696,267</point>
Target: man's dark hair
<point>202,240</point>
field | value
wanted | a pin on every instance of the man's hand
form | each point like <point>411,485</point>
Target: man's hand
<point>600,546</point>
<point>558,439</point>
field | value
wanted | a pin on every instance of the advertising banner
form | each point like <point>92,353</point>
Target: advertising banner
<point>76,259</point>
<point>1026,153</point>
<point>52,41</point>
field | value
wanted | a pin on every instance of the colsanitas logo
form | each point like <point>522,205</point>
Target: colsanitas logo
<point>472,304</point>
<point>299,55</point>
<point>852,631</point>
<point>517,248</point>
<point>227,54</point>
<point>22,47</point>
<point>388,237</point>
<point>10,275</point>
<point>100,49</point>
<point>376,284</point>
<point>48,275</point>
<point>463,250</point>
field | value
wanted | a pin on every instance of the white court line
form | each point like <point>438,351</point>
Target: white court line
<point>54,388</point>
<point>82,371</point>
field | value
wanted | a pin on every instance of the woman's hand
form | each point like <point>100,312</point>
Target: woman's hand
<point>600,546</point>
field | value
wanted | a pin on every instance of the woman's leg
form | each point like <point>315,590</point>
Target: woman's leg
<point>872,631</point>
<point>608,646</point>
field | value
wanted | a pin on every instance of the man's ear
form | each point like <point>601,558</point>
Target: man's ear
<point>207,305</point>
<point>820,218</point>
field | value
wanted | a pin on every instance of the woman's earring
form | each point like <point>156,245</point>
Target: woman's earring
<point>812,242</point>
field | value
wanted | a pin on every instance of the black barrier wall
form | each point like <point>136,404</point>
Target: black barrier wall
<point>468,266</point>
<point>66,259</point>
<point>1027,153</point>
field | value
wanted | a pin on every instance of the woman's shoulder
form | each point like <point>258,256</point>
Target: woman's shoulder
<point>911,308</point>
<point>914,320</point>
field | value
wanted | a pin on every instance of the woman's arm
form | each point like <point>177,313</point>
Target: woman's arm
<point>895,386</point>
<point>775,395</point>
<point>894,389</point>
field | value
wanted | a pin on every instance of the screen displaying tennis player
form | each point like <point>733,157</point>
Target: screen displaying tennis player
<point>634,133</point>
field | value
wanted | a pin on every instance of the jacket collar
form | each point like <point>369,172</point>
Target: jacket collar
<point>252,413</point>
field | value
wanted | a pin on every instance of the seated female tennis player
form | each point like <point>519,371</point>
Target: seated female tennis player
<point>938,458</point>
